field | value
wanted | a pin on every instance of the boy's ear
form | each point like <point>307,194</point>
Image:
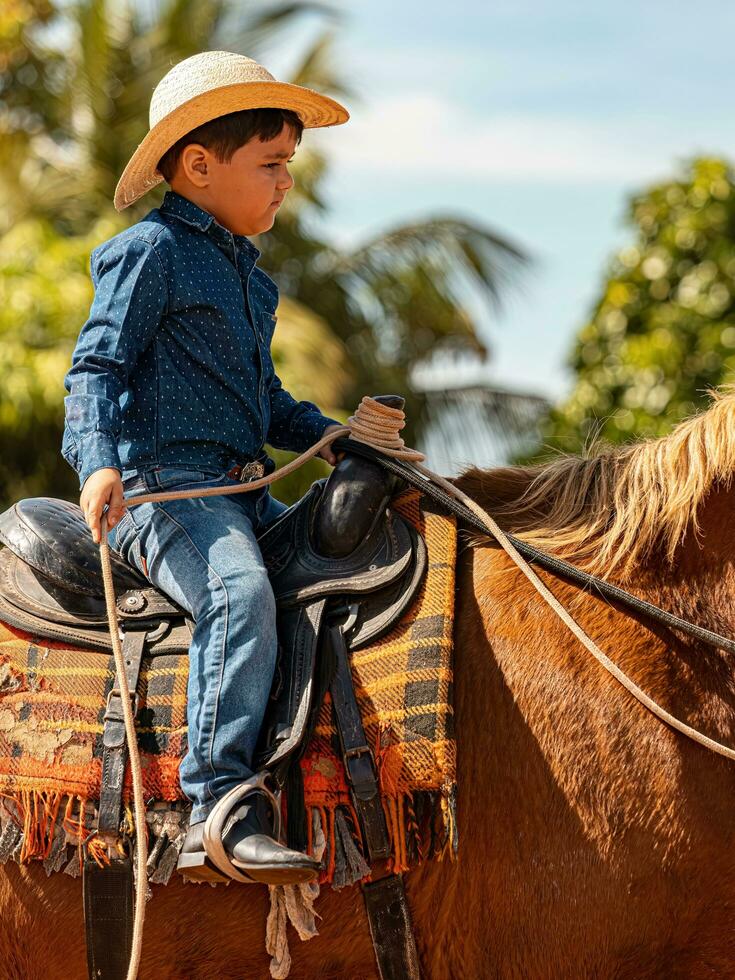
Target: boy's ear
<point>194,162</point>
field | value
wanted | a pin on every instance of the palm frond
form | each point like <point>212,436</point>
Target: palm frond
<point>316,69</point>
<point>257,25</point>
<point>478,424</point>
<point>490,262</point>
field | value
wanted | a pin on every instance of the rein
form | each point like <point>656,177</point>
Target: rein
<point>543,559</point>
<point>374,432</point>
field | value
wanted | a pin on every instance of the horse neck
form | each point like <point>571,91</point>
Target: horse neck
<point>696,585</point>
<point>526,689</point>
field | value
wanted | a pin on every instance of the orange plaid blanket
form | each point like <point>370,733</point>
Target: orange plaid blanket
<point>52,701</point>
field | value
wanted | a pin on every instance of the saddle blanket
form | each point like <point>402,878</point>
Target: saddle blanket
<point>52,702</point>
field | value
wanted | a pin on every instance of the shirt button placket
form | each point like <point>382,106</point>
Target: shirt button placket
<point>256,334</point>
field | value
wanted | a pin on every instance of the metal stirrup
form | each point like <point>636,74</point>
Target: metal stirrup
<point>216,824</point>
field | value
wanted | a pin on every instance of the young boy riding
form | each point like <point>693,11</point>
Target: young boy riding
<point>172,387</point>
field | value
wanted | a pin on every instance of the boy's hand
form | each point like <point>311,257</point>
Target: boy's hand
<point>326,451</point>
<point>102,487</point>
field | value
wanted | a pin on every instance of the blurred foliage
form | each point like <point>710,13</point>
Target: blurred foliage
<point>44,290</point>
<point>75,84</point>
<point>663,330</point>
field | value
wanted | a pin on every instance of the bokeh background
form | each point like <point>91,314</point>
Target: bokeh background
<point>527,227</point>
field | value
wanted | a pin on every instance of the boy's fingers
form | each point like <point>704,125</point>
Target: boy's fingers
<point>117,506</point>
<point>92,516</point>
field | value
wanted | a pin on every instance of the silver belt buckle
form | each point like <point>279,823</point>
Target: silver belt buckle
<point>251,471</point>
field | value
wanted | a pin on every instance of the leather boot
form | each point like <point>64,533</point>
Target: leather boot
<point>250,846</point>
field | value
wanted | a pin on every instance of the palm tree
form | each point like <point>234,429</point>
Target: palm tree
<point>77,78</point>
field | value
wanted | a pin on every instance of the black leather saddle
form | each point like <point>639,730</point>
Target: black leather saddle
<point>51,582</point>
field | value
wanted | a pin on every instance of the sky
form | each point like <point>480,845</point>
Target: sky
<point>537,120</point>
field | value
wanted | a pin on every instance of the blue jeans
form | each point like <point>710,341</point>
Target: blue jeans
<point>203,553</point>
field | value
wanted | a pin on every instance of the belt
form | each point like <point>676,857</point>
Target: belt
<point>245,472</point>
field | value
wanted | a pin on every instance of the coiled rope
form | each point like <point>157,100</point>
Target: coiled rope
<point>379,426</point>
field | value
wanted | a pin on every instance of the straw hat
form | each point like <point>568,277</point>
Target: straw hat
<point>206,86</point>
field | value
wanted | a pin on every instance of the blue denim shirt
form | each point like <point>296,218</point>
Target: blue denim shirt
<point>173,365</point>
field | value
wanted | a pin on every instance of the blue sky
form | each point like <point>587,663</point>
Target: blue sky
<point>536,119</point>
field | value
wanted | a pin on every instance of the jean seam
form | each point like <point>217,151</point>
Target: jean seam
<point>161,509</point>
<point>121,527</point>
<point>135,549</point>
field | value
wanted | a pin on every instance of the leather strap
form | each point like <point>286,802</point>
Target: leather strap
<point>108,890</point>
<point>387,910</point>
<point>114,755</point>
<point>391,930</point>
<point>358,758</point>
<point>108,918</point>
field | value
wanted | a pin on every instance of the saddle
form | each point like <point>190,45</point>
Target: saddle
<point>51,585</point>
<point>344,568</point>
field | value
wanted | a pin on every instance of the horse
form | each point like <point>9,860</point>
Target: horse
<point>594,840</point>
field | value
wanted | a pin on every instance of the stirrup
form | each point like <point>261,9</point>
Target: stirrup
<point>218,824</point>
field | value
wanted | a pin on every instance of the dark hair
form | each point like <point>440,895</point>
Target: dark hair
<point>228,133</point>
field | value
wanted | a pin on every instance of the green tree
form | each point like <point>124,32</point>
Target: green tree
<point>75,84</point>
<point>663,330</point>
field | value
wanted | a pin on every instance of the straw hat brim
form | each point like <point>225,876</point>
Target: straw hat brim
<point>140,174</point>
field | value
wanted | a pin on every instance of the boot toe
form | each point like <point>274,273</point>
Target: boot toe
<point>259,849</point>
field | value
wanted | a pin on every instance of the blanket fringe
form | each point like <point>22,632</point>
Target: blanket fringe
<point>36,814</point>
<point>45,825</point>
<point>420,825</point>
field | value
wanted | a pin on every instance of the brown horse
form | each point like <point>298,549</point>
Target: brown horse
<point>594,840</point>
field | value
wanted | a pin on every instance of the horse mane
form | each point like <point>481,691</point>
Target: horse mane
<point>614,507</point>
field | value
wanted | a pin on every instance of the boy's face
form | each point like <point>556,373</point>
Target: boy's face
<point>244,194</point>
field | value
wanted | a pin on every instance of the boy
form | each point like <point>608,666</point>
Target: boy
<point>172,386</point>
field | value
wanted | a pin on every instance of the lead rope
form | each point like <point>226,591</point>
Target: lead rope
<point>379,426</point>
<point>141,835</point>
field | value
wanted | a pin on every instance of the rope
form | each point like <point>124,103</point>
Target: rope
<point>541,559</point>
<point>141,837</point>
<point>574,626</point>
<point>377,425</point>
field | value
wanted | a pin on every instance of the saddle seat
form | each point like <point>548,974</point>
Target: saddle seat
<point>51,582</point>
<point>51,575</point>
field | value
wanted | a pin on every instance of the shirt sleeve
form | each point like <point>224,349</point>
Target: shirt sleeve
<point>294,425</point>
<point>130,296</point>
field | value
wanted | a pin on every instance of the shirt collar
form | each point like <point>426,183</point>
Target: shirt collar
<point>186,210</point>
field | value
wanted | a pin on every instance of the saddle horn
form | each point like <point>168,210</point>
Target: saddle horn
<point>356,492</point>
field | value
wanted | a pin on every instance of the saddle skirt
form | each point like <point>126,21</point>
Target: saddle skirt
<point>56,672</point>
